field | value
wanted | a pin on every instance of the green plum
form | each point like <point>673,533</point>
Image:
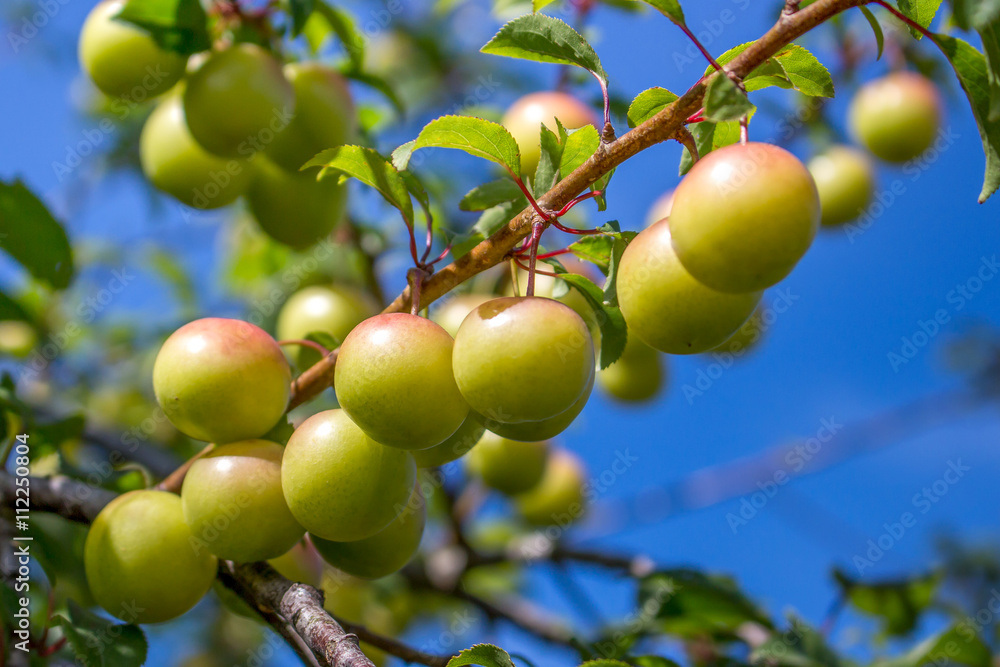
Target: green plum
<point>177,164</point>
<point>744,216</point>
<point>509,466</point>
<point>233,502</point>
<point>845,180</point>
<point>661,208</point>
<point>525,117</point>
<point>383,553</point>
<point>523,359</point>
<point>560,498</point>
<point>340,484</point>
<point>663,304</point>
<point>324,116</point>
<point>140,562</point>
<point>545,428</point>
<point>451,312</point>
<point>222,380</point>
<point>237,101</point>
<point>896,117</point>
<point>301,563</point>
<point>294,209</point>
<point>17,338</point>
<point>333,310</point>
<point>746,337</point>
<point>465,438</point>
<point>637,376</point>
<point>122,59</point>
<point>394,378</point>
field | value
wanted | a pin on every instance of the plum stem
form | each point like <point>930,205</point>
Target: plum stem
<point>905,19</point>
<point>308,343</point>
<point>701,47</point>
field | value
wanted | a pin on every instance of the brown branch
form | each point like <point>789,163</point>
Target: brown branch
<point>175,480</point>
<point>657,129</point>
<point>294,610</point>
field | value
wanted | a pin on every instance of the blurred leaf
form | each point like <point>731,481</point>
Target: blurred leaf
<point>538,5</point>
<point>973,74</point>
<point>486,655</point>
<point>545,39</point>
<point>12,310</point>
<point>30,234</point>
<point>475,136</point>
<point>799,646</point>
<point>921,11</point>
<point>604,663</point>
<point>876,28</point>
<point>670,8</point>
<point>178,25</point>
<point>343,24</point>
<point>647,104</point>
<point>954,646</point>
<point>98,642</point>
<point>898,603</point>
<point>653,661</point>
<point>724,101</point>
<point>300,11</point>
<point>369,167</point>
<point>974,14</point>
<point>172,271</point>
<point>490,194</point>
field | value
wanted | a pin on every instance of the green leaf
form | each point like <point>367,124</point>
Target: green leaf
<point>325,19</point>
<point>799,646</point>
<point>898,603</point>
<point>670,8</point>
<point>178,25</point>
<point>300,11</point>
<point>547,172</point>
<point>973,74</point>
<point>475,136</point>
<point>614,332</point>
<point>647,104</point>
<point>12,310</point>
<point>489,195</point>
<point>596,249</point>
<point>921,11</point>
<point>954,646</point>
<point>545,39</point>
<point>486,655</point>
<point>724,101</point>
<point>369,167</point>
<point>621,241</point>
<point>581,144</point>
<point>30,234</point>
<point>876,28</point>
<point>98,642</point>
<point>791,67</point>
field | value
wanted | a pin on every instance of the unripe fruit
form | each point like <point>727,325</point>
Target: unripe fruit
<point>237,101</point>
<point>896,117</point>
<point>383,553</point>
<point>666,307</point>
<point>637,376</point>
<point>744,216</point>
<point>845,180</point>
<point>324,116</point>
<point>333,310</point>
<point>660,209</point>
<point>141,564</point>
<point>465,438</point>
<point>177,164</point>
<point>523,359</point>
<point>124,60</point>
<point>292,208</point>
<point>233,502</point>
<point>455,309</point>
<point>222,380</point>
<point>340,484</point>
<point>558,499</point>
<point>545,428</point>
<point>508,466</point>
<point>525,117</point>
<point>301,563</point>
<point>746,337</point>
<point>394,378</point>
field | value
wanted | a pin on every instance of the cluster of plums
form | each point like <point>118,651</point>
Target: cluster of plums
<point>229,123</point>
<point>411,397</point>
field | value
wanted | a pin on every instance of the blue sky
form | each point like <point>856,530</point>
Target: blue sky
<point>825,359</point>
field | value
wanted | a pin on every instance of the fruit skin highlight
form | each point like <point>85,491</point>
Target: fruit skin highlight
<point>234,505</point>
<point>394,378</point>
<point>508,466</point>
<point>140,561</point>
<point>744,216</point>
<point>340,484</point>
<point>666,307</point>
<point>523,359</point>
<point>122,59</point>
<point>331,309</point>
<point>559,498</point>
<point>896,117</point>
<point>637,376</point>
<point>525,117</point>
<point>845,180</point>
<point>222,380</point>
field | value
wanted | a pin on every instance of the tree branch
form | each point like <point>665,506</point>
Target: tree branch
<point>294,610</point>
<point>657,129</point>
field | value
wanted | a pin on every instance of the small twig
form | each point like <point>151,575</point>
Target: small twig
<point>744,129</point>
<point>175,480</point>
<point>308,343</point>
<point>905,19</point>
<point>686,139</point>
<point>536,236</point>
<point>701,47</point>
